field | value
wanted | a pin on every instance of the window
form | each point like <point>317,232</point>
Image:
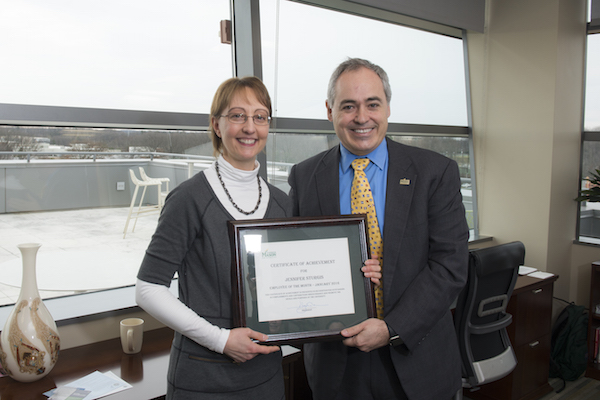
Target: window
<point>592,85</point>
<point>104,87</point>
<point>111,87</point>
<point>133,55</point>
<point>589,212</point>
<point>426,72</point>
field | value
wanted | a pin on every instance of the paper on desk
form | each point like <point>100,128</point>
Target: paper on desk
<point>69,393</point>
<point>523,270</point>
<point>122,385</point>
<point>99,384</point>
<point>541,275</point>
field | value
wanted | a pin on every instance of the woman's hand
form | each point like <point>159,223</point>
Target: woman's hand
<point>372,269</point>
<point>241,348</point>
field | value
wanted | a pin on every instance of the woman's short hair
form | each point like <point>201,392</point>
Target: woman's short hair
<point>225,93</point>
<point>353,64</point>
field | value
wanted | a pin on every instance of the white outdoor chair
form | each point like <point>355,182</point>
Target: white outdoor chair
<point>162,194</point>
<point>141,209</point>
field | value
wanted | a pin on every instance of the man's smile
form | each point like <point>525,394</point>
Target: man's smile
<point>362,130</point>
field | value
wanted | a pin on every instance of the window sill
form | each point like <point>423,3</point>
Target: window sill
<point>89,306</point>
<point>587,241</point>
<point>480,239</point>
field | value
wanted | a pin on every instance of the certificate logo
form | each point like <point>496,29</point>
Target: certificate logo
<point>269,254</point>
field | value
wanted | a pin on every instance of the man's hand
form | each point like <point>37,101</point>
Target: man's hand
<point>241,348</point>
<point>372,269</point>
<point>368,335</point>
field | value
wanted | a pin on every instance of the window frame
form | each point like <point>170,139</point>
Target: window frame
<point>593,28</point>
<point>246,49</point>
<point>24,114</point>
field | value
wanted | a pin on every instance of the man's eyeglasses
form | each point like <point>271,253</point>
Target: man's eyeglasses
<point>241,118</point>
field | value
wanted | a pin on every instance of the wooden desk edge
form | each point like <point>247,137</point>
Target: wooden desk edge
<point>525,282</point>
<point>77,362</point>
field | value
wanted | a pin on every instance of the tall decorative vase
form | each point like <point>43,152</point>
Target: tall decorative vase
<point>29,343</point>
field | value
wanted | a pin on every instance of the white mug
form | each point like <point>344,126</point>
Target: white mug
<point>132,334</point>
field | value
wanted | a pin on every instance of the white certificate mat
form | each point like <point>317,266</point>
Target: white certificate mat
<point>293,283</point>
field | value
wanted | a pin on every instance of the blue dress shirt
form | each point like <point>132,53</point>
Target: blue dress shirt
<point>376,173</point>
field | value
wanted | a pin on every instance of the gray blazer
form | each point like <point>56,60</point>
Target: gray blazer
<point>425,254</point>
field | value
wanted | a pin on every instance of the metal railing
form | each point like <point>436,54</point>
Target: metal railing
<point>11,155</point>
<point>277,173</point>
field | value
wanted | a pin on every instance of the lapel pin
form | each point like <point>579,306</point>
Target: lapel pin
<point>405,181</point>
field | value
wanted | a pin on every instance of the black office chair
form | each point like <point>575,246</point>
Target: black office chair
<point>480,316</point>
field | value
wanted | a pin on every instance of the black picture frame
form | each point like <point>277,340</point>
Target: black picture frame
<point>347,231</point>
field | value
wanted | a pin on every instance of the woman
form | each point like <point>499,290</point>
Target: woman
<point>209,359</point>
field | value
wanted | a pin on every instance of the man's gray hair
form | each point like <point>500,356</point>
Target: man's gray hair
<point>353,64</point>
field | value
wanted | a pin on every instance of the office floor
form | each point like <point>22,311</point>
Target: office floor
<point>581,389</point>
<point>81,250</point>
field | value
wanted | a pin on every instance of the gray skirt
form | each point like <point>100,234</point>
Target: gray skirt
<point>198,373</point>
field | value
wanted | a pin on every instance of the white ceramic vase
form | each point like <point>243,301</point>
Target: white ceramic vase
<point>29,343</point>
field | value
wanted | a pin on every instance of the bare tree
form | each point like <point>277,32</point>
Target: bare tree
<point>11,139</point>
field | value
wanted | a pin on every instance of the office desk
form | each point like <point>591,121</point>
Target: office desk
<point>146,371</point>
<point>530,306</point>
<point>530,335</point>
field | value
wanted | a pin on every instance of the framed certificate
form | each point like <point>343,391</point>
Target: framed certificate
<point>300,279</point>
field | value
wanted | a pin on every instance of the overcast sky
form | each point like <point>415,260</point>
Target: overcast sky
<point>159,56</point>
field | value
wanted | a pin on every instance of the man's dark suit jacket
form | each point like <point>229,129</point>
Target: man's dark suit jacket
<point>425,253</point>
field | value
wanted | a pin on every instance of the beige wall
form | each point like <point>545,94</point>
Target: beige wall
<point>527,74</point>
<point>581,259</point>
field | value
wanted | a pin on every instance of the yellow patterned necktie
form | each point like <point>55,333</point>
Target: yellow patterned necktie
<point>362,203</point>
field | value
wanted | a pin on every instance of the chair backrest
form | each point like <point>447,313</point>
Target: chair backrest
<point>143,174</point>
<point>480,315</point>
<point>134,178</point>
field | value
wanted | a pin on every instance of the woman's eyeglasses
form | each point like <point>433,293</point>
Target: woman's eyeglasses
<point>241,118</point>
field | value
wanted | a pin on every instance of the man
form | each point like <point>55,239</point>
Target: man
<point>411,353</point>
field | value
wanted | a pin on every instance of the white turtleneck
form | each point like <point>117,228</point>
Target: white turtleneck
<point>159,302</point>
<point>242,187</point>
